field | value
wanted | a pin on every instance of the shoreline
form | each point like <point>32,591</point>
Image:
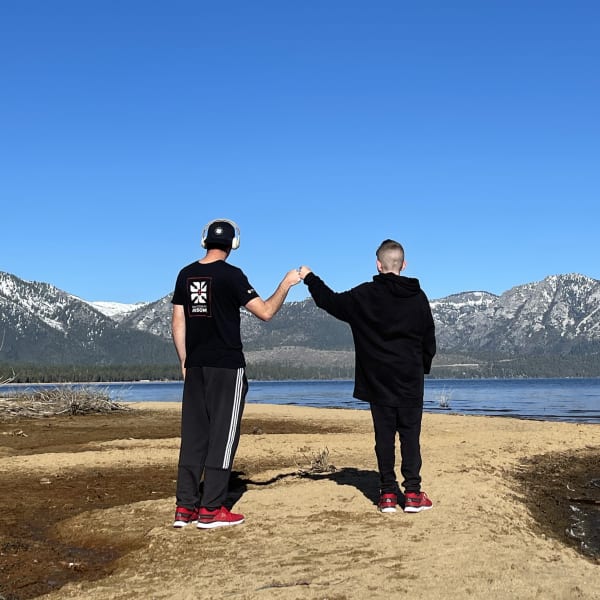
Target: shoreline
<point>498,487</point>
<point>553,400</point>
<point>350,379</point>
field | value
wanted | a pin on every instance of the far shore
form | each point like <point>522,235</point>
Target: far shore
<point>135,381</point>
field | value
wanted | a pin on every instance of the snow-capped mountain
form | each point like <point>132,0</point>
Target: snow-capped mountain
<point>556,315</point>
<point>40,323</point>
<point>154,318</point>
<point>116,310</point>
<point>455,313</point>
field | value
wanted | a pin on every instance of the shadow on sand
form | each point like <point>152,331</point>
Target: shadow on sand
<point>365,481</point>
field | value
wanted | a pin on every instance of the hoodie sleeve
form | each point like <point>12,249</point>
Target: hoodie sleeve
<point>429,345</point>
<point>336,304</point>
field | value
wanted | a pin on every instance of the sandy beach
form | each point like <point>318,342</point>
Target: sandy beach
<point>88,502</point>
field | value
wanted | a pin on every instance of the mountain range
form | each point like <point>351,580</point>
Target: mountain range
<point>541,328</point>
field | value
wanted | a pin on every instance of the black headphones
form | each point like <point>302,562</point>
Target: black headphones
<point>235,242</point>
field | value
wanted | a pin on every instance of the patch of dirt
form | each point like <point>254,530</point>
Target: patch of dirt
<point>71,434</point>
<point>35,558</point>
<point>35,561</point>
<point>551,484</point>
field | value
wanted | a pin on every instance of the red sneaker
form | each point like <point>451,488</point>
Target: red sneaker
<point>184,516</point>
<point>416,502</point>
<point>220,517</point>
<point>387,503</point>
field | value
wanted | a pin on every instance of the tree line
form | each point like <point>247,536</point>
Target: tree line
<point>27,373</point>
<point>542,366</point>
<point>518,367</point>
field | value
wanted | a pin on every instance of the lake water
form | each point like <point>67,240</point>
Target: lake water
<point>575,400</point>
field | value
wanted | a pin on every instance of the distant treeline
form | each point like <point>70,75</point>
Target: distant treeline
<point>22,373</point>
<point>97,374</point>
<point>519,367</point>
<point>545,366</point>
<point>277,372</point>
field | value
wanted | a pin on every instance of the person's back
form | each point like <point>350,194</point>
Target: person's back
<point>394,340</point>
<point>212,294</point>
<point>392,327</point>
<point>206,333</point>
<point>393,335</point>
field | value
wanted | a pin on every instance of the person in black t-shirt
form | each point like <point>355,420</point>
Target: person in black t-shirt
<point>206,333</point>
<point>394,339</point>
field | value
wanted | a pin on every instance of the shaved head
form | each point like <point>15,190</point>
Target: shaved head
<point>390,257</point>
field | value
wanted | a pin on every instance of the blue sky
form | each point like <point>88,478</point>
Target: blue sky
<point>467,130</point>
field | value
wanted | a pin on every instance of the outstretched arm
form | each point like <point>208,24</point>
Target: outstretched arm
<point>336,304</point>
<point>265,310</point>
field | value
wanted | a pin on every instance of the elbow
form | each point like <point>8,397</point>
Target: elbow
<point>266,317</point>
<point>261,310</point>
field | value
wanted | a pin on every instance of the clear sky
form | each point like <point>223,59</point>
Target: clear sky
<point>467,130</point>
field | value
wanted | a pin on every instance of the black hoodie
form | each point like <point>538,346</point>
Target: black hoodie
<point>393,331</point>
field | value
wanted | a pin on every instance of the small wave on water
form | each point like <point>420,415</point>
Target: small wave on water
<point>573,400</point>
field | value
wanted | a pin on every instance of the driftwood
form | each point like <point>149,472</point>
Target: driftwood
<point>57,401</point>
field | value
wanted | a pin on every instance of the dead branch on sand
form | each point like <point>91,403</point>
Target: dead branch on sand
<point>57,401</point>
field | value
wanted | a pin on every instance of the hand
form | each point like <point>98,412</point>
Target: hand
<point>292,277</point>
<point>303,272</point>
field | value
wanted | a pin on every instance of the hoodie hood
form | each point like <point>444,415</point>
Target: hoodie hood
<point>398,285</point>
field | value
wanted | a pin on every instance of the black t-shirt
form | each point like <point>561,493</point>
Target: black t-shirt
<point>211,295</point>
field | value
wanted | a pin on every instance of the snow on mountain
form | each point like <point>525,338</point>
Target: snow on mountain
<point>114,310</point>
<point>40,323</point>
<point>44,303</point>
<point>153,317</point>
<point>553,315</point>
<point>558,315</point>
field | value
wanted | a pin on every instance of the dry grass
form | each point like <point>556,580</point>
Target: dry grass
<point>319,463</point>
<point>57,401</point>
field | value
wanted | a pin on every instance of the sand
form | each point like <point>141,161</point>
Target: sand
<point>494,530</point>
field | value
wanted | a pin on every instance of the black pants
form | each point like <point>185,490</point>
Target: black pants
<point>211,413</point>
<point>406,421</point>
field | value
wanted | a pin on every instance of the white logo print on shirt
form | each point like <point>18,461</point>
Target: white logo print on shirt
<point>198,292</point>
<point>199,297</point>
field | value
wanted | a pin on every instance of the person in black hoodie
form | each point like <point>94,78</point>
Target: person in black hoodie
<point>394,339</point>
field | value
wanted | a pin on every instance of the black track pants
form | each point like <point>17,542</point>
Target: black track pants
<point>211,413</point>
<point>406,421</point>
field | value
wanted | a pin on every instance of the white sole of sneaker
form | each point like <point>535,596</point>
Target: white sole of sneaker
<point>388,510</point>
<point>417,509</point>
<point>218,524</point>
<point>180,524</point>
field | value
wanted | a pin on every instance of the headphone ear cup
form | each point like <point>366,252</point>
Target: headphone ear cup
<point>235,243</point>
